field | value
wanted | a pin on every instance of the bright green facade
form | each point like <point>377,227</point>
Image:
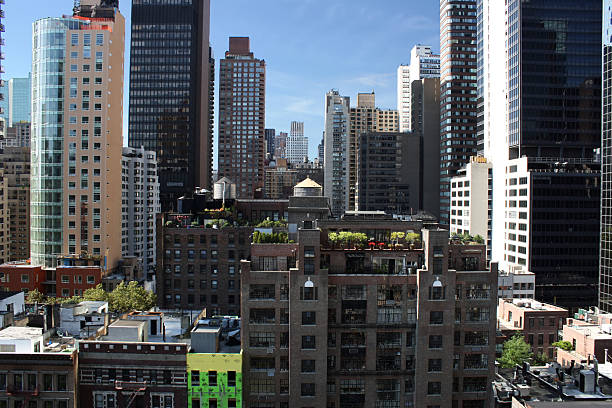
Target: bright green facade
<point>208,367</point>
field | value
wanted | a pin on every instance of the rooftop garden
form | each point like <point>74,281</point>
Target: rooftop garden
<point>221,218</point>
<point>466,238</point>
<point>268,223</point>
<point>273,238</point>
<point>359,240</point>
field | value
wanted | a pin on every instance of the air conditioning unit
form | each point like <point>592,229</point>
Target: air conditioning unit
<point>270,350</point>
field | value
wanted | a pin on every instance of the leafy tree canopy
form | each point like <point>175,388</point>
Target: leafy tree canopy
<point>516,352</point>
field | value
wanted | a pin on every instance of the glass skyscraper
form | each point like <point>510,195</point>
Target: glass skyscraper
<point>172,92</point>
<point>605,264</point>
<point>47,138</point>
<point>19,100</point>
<point>457,93</point>
<point>554,133</point>
<point>77,89</point>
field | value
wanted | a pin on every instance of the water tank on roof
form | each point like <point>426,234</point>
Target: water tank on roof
<point>224,189</point>
<point>308,188</point>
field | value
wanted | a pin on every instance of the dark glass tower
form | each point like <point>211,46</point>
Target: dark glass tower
<point>457,93</point>
<point>172,92</point>
<point>554,121</point>
<point>605,262</point>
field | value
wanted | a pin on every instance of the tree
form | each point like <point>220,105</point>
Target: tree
<point>34,296</point>
<point>478,239</point>
<point>333,239</point>
<point>396,237</point>
<point>132,296</point>
<point>413,237</point>
<point>96,294</point>
<point>540,359</point>
<point>516,351</point>
<point>564,345</point>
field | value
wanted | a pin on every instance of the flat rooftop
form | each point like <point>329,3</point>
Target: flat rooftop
<point>593,331</point>
<point>8,294</point>
<point>20,333</point>
<point>568,404</point>
<point>128,323</point>
<point>533,305</point>
<point>207,329</point>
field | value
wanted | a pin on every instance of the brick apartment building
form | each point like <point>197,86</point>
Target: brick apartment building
<point>61,281</point>
<point>331,327</point>
<point>538,322</point>
<point>198,267</point>
<point>34,373</point>
<point>197,263</point>
<point>145,374</point>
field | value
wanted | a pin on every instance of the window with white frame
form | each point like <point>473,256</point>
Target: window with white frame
<point>162,400</point>
<point>105,399</point>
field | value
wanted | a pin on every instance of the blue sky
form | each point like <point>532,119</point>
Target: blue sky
<point>310,47</point>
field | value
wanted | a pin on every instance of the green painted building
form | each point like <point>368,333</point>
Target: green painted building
<point>214,380</point>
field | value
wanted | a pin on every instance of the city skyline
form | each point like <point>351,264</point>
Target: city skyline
<point>298,56</point>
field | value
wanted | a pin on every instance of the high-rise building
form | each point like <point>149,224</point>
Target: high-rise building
<point>471,197</point>
<point>242,115</point>
<point>15,163</point>
<point>17,135</point>
<point>457,92</point>
<point>365,118</point>
<point>280,180</point>
<point>545,161</point>
<point>327,326</point>
<point>280,145</point>
<point>605,261</point>
<point>140,199</point>
<point>3,103</point>
<point>77,115</point>
<point>5,232</point>
<point>321,150</point>
<point>336,141</point>
<point>400,172</point>
<point>270,136</point>
<point>425,122</point>
<point>19,100</point>
<point>297,144</point>
<point>388,174</point>
<point>423,64</point>
<point>172,92</point>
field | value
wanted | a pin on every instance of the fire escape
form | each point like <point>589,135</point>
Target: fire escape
<point>131,389</point>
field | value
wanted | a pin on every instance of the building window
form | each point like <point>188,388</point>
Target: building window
<point>309,293</point>
<point>212,378</point>
<point>104,399</point>
<point>231,378</point>
<point>434,365</point>
<point>308,390</point>
<point>436,317</point>
<point>309,267</point>
<point>162,400</point>
<point>309,318</point>
<point>435,341</point>
<point>308,366</point>
<point>195,378</point>
<point>434,388</point>
<point>261,339</point>
<point>309,343</point>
